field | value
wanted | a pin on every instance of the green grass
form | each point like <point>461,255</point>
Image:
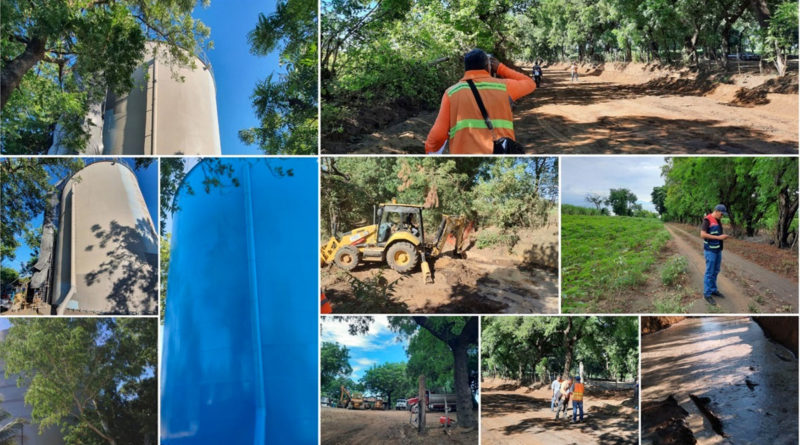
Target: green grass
<point>669,305</point>
<point>602,255</point>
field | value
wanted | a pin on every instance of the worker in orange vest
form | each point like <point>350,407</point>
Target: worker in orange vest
<point>460,122</point>
<point>577,399</point>
<point>326,305</point>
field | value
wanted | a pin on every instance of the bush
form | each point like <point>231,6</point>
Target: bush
<point>674,270</point>
<point>569,209</point>
<point>491,238</point>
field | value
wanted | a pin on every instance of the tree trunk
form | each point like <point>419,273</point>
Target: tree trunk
<point>764,15</point>
<point>12,73</point>
<point>787,207</point>
<point>421,405</point>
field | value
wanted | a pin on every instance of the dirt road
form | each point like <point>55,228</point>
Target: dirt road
<point>619,112</point>
<point>489,280</point>
<point>747,287</point>
<point>511,414</point>
<point>357,427</point>
<point>750,382</point>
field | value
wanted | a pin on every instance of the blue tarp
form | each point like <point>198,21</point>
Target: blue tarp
<point>239,362</point>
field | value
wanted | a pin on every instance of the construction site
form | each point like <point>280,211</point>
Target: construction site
<point>719,380</point>
<point>97,249</point>
<point>440,244</point>
<point>427,396</point>
<point>549,381</point>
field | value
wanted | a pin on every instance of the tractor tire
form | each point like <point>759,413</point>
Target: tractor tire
<point>347,258</point>
<point>402,257</point>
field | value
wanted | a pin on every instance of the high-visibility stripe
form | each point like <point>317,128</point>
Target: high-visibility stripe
<point>480,123</point>
<point>478,85</point>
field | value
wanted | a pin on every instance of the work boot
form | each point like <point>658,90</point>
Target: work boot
<point>710,300</point>
<point>716,293</point>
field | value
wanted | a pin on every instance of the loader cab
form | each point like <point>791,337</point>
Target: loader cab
<point>395,218</point>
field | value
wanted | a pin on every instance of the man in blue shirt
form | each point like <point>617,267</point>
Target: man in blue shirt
<point>711,232</point>
<point>556,387</point>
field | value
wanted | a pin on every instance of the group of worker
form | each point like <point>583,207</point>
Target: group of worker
<point>565,390</point>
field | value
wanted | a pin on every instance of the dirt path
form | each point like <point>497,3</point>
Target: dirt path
<point>489,280</point>
<point>746,377</point>
<point>598,116</point>
<point>357,427</point>
<point>520,415</point>
<point>746,286</point>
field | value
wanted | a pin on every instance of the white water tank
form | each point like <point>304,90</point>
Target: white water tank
<point>106,256</point>
<point>171,110</point>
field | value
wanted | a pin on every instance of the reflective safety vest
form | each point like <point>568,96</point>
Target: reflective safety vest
<point>714,228</point>
<point>326,305</point>
<point>577,394</point>
<point>460,122</point>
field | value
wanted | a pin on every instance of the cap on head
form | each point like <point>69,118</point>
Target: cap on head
<point>721,208</point>
<point>477,59</point>
<point>577,378</point>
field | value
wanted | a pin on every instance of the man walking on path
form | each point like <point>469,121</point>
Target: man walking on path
<point>563,394</point>
<point>711,232</point>
<point>573,69</point>
<point>460,122</point>
<point>577,399</point>
<point>556,387</point>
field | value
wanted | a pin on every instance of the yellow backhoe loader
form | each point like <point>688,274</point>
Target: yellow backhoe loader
<point>396,237</point>
<point>348,401</point>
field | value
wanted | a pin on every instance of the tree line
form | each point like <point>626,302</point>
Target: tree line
<point>621,201</point>
<point>534,349</point>
<point>759,193</point>
<point>443,349</point>
<point>508,194</point>
<point>382,60</point>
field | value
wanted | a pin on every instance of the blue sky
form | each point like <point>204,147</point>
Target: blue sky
<point>148,183</point>
<point>236,71</point>
<point>599,174</point>
<point>379,345</point>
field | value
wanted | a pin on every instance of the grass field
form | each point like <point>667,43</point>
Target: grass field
<point>602,255</point>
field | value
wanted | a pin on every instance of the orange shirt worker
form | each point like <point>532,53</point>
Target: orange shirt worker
<point>460,122</point>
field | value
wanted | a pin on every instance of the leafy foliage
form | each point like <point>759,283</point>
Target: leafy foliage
<point>535,349</point>
<point>334,362</point>
<point>507,193</point>
<point>759,193</point>
<point>59,57</point>
<point>92,377</point>
<point>24,186</point>
<point>287,106</point>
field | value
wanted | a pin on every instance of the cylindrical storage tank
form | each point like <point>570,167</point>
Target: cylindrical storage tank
<point>239,363</point>
<point>12,400</point>
<point>106,255</point>
<point>171,109</point>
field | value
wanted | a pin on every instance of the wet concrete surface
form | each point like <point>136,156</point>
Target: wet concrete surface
<point>751,381</point>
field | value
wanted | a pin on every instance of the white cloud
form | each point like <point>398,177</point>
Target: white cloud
<point>339,332</point>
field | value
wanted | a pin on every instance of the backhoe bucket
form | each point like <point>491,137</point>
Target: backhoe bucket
<point>426,271</point>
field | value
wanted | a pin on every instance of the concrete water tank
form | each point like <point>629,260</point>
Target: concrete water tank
<point>106,255</point>
<point>171,110</point>
<point>12,399</point>
<point>239,363</point>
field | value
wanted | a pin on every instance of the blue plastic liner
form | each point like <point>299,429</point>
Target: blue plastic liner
<point>239,363</point>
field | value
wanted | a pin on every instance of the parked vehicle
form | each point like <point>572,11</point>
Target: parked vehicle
<point>402,404</point>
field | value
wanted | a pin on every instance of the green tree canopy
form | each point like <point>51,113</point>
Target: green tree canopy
<point>622,201</point>
<point>92,377</point>
<point>387,379</point>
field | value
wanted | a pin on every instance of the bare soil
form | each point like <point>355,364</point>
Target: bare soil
<point>632,109</point>
<point>747,287</point>
<point>489,280</point>
<point>511,414</point>
<point>362,427</point>
<point>728,381</point>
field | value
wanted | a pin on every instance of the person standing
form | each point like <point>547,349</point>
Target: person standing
<point>563,394</point>
<point>460,123</point>
<point>573,69</point>
<point>577,399</point>
<point>537,74</point>
<point>556,387</point>
<point>711,233</point>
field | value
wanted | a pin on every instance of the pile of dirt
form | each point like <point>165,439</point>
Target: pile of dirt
<point>748,97</point>
<point>655,324</point>
<point>783,330</point>
<point>663,423</point>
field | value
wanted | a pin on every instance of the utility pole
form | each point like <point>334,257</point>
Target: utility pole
<point>422,405</point>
